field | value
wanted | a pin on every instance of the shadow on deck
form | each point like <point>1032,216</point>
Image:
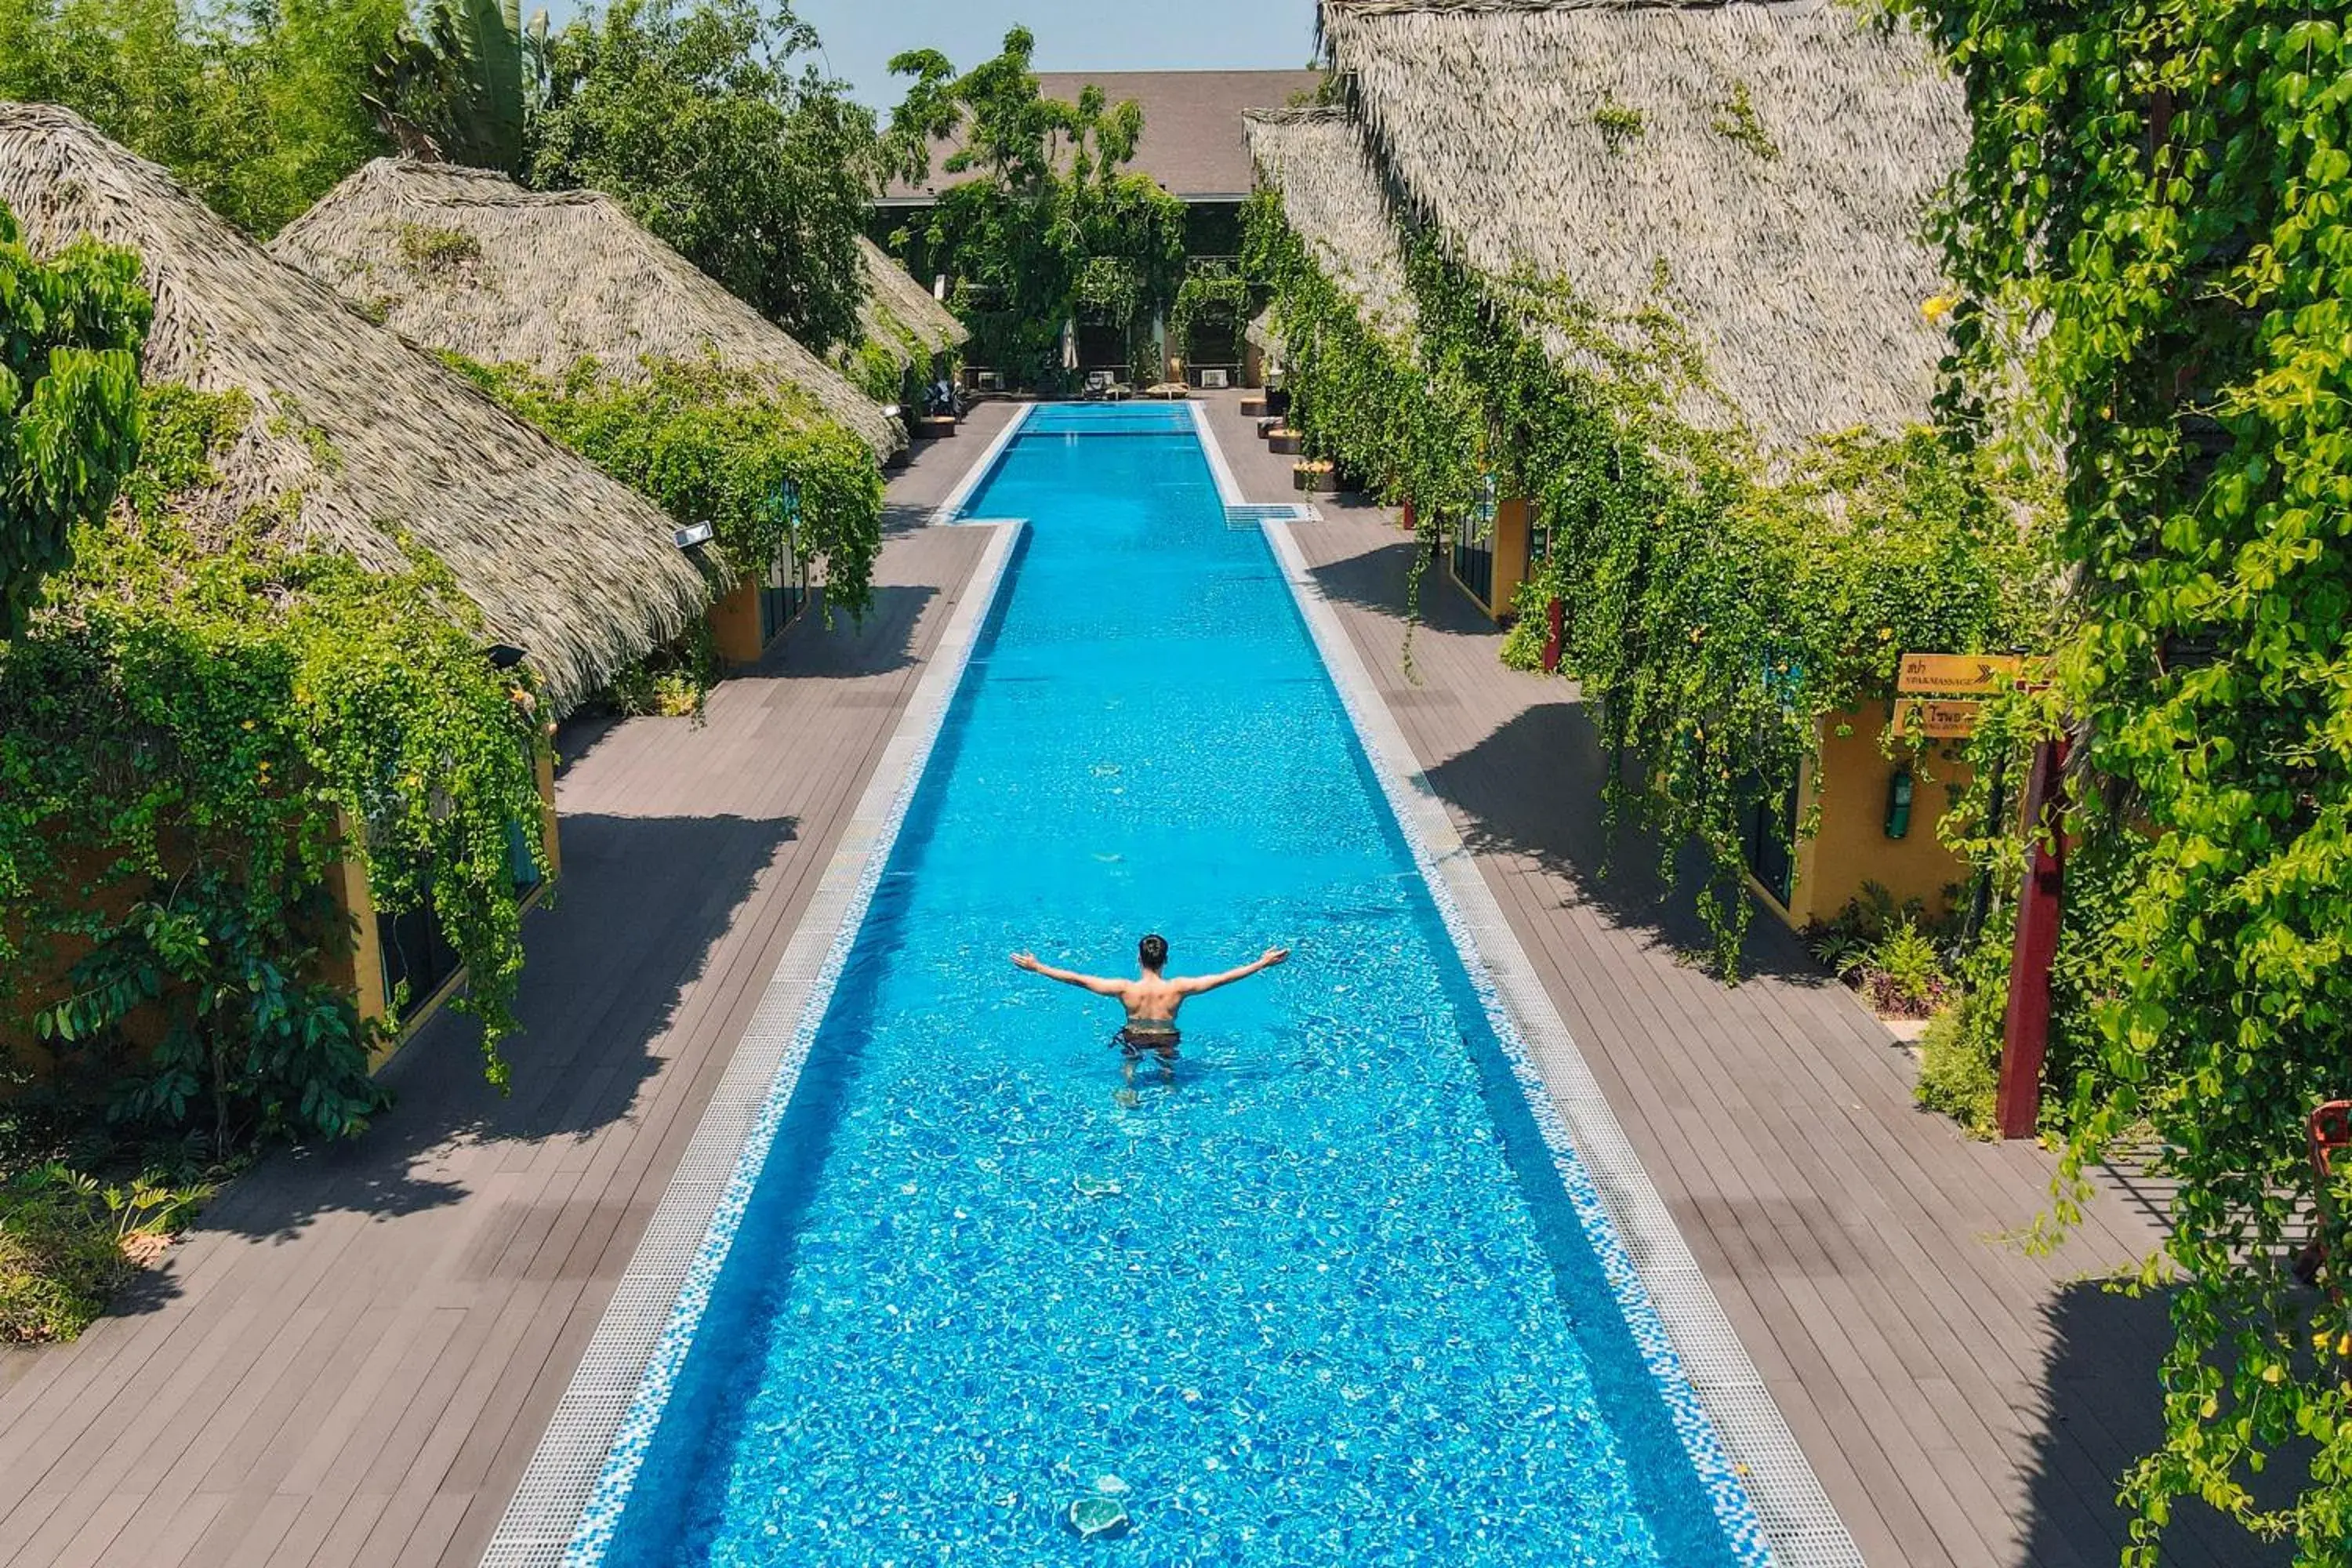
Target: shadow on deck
<point>1618,871</point>
<point>641,902</point>
<point>2103,1410</point>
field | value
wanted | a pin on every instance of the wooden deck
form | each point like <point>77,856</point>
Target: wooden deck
<point>351,1359</point>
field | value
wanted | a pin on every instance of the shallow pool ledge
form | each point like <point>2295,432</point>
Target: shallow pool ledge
<point>1760,1480</point>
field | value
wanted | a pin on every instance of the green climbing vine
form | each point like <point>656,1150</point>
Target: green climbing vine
<point>197,729</point>
<point>2165,187</point>
<point>714,446</point>
<point>1208,295</point>
<point>1358,390</point>
<point>1716,606</point>
<point>70,330</point>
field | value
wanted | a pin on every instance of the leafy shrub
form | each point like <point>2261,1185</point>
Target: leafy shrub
<point>264,1051</point>
<point>711,445</point>
<point>1846,939</point>
<point>1523,645</point>
<point>1903,975</point>
<point>67,1242</point>
<point>1959,1061</point>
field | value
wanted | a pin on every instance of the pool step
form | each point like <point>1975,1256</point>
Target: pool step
<point>1248,517</point>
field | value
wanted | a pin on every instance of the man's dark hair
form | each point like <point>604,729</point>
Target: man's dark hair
<point>1153,952</point>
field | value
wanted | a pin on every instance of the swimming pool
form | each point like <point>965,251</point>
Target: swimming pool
<point>1323,1301</point>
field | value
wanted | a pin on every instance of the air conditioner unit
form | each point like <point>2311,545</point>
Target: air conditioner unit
<point>1213,380</point>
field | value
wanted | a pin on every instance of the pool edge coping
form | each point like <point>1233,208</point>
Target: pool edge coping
<point>1765,1491</point>
<point>568,1504</point>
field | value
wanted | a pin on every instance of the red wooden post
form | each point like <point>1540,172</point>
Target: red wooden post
<point>1407,521</point>
<point>1555,619</point>
<point>2025,1031</point>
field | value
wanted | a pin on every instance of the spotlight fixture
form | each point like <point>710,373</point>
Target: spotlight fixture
<point>692,534</point>
<point>503,655</point>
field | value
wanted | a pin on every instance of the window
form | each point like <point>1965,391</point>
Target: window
<point>1474,548</point>
<point>415,953</point>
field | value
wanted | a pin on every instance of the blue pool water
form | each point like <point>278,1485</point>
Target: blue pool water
<point>1323,1301</point>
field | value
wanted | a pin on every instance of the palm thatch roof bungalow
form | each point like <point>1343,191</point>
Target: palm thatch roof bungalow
<point>906,337</point>
<point>1759,173</point>
<point>372,441</point>
<point>1342,306</point>
<point>466,259</point>
<point>360,445</point>
<point>1761,170</point>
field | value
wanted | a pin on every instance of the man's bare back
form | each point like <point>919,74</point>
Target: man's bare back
<point>1152,998</point>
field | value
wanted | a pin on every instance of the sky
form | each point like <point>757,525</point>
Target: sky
<point>1072,34</point>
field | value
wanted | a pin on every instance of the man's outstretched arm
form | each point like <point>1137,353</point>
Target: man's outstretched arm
<point>1192,985</point>
<point>1094,982</point>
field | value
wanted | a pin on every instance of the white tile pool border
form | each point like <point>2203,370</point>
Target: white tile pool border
<point>570,1500</point>
<point>1771,1505</point>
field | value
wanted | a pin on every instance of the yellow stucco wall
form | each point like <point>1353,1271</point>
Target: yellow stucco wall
<point>1513,536</point>
<point>735,623</point>
<point>1851,847</point>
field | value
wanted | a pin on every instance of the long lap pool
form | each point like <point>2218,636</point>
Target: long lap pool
<point>1323,1300</point>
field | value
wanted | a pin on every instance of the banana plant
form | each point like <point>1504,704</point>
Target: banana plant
<point>455,88</point>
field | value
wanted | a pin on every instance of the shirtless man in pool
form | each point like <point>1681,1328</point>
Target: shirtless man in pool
<point>1152,998</point>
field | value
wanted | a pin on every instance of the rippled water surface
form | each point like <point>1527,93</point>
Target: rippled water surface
<point>1319,1301</point>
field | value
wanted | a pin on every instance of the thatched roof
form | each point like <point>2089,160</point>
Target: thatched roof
<point>895,296</point>
<point>1315,163</point>
<point>467,259</point>
<point>1791,233</point>
<point>375,439</point>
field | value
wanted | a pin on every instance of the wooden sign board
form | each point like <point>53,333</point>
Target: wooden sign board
<point>1936,719</point>
<point>1957,674</point>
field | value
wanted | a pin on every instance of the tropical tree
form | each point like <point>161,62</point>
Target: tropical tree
<point>710,126</point>
<point>69,337</point>
<point>454,86</point>
<point>1051,225</point>
<point>259,109</point>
